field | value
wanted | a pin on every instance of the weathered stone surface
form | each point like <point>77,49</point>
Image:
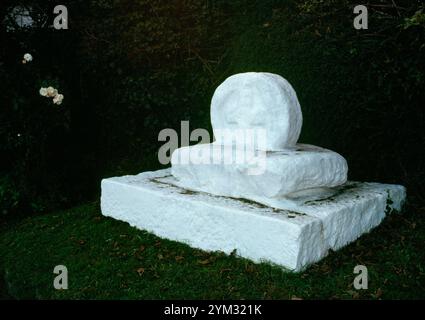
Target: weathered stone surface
<point>279,173</point>
<point>287,204</point>
<point>292,238</point>
<point>258,100</point>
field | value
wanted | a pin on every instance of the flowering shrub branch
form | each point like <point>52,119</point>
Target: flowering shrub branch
<point>51,92</point>
<point>27,58</point>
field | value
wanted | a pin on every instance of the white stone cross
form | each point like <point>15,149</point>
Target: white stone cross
<point>290,214</point>
<point>259,101</point>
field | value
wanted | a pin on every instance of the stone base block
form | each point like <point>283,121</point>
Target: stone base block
<point>271,174</point>
<point>293,238</point>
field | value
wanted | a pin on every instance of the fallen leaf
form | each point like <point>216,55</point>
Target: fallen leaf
<point>250,268</point>
<point>204,262</point>
<point>140,271</point>
<point>325,268</point>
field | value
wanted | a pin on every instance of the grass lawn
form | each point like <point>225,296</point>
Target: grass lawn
<point>108,259</point>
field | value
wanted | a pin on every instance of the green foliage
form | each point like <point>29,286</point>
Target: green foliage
<point>418,19</point>
<point>33,130</point>
<point>364,86</point>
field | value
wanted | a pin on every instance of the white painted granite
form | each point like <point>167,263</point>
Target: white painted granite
<point>291,238</point>
<point>258,100</point>
<point>300,205</point>
<point>283,172</point>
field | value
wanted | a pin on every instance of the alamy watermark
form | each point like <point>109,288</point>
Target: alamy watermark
<point>361,282</point>
<point>361,20</point>
<point>244,147</point>
<point>60,282</point>
<point>61,20</point>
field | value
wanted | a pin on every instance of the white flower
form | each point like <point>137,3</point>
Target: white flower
<point>58,99</point>
<point>51,92</point>
<point>43,92</point>
<point>27,57</point>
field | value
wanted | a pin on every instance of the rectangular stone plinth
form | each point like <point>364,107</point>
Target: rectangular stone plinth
<point>289,238</point>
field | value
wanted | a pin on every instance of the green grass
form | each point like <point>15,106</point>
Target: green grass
<point>108,259</point>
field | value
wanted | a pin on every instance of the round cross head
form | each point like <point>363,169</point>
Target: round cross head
<point>258,101</point>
